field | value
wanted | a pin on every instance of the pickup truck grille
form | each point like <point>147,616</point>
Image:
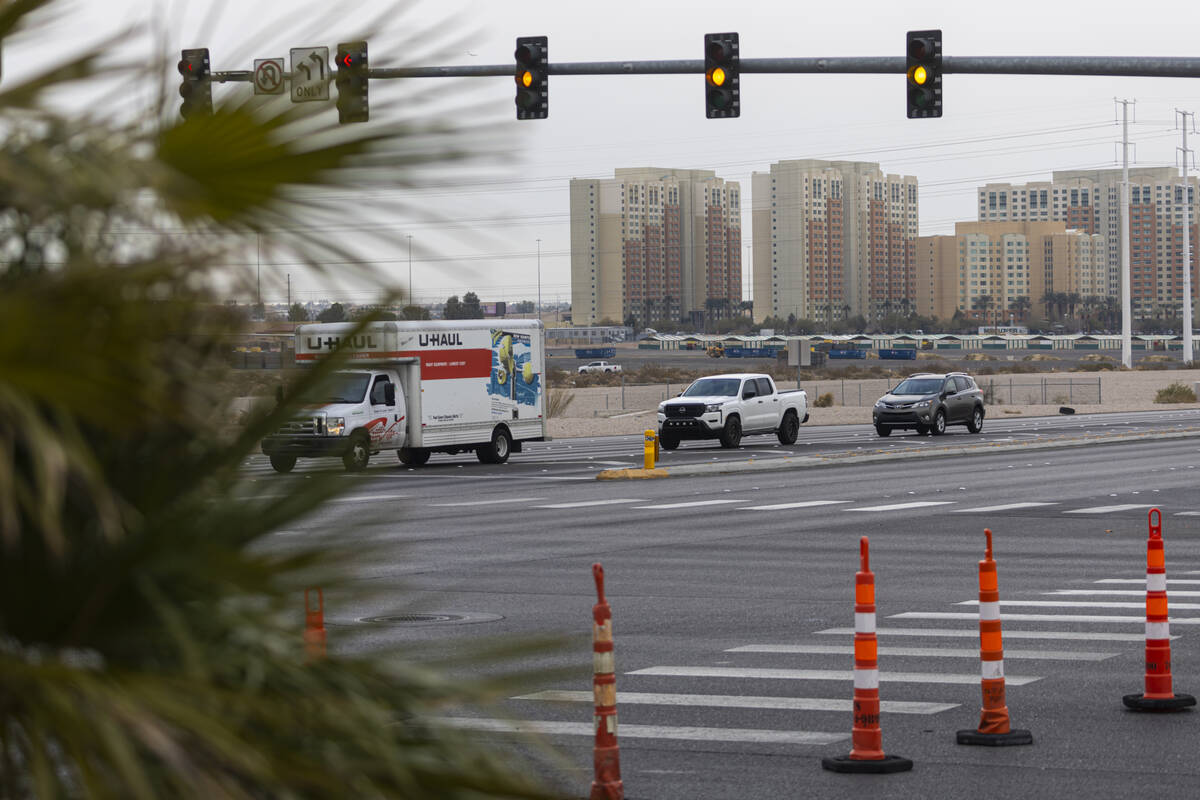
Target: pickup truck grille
<point>301,427</point>
<point>685,410</point>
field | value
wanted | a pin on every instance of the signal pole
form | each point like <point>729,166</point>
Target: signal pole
<point>1187,240</point>
<point>539,265</point>
<point>1126,302</point>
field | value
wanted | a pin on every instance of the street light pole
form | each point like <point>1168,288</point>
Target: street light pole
<point>539,267</point>
<point>412,301</point>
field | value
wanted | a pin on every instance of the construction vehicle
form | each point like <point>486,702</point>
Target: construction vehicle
<point>715,350</point>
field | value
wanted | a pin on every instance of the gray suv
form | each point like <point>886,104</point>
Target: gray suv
<point>928,402</point>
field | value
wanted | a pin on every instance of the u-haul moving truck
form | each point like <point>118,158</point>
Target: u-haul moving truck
<point>420,388</point>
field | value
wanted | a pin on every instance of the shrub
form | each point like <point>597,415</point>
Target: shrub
<point>824,401</point>
<point>557,401</point>
<point>1175,393</point>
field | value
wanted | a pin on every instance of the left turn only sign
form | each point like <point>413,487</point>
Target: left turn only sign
<point>268,76</point>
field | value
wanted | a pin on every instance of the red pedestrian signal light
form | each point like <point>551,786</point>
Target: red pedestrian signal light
<point>533,77</point>
<point>722,90</point>
<point>351,80</point>
<point>923,58</point>
<point>195,86</point>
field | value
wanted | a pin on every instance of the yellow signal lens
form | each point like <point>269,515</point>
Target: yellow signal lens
<point>526,78</point>
<point>920,76</point>
<point>718,77</point>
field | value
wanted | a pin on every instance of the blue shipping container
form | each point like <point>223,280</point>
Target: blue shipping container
<point>900,354</point>
<point>847,353</point>
<point>595,352</point>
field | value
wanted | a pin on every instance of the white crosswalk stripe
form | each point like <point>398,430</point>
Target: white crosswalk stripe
<point>741,701</point>
<point>1107,509</point>
<point>1138,620</point>
<point>1078,604</point>
<point>973,633</point>
<point>689,504</point>
<point>1005,507</point>
<point>784,506</point>
<point>820,675</point>
<point>928,652</point>
<point>628,731</point>
<point>904,506</point>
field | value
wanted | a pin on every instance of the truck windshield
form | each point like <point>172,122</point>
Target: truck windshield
<point>713,387</point>
<point>919,386</point>
<point>347,387</point>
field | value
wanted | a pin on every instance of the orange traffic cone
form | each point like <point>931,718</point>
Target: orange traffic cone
<point>866,753</point>
<point>993,721</point>
<point>314,624</point>
<point>607,784</point>
<point>1159,695</point>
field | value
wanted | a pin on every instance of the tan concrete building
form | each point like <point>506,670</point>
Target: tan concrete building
<point>997,271</point>
<point>832,239</point>
<point>1090,201</point>
<point>653,243</point>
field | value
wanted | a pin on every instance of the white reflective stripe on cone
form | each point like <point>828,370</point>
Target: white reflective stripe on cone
<point>866,678</point>
<point>603,663</point>
<point>992,669</point>
<point>989,611</point>
<point>1156,582</point>
<point>864,622</point>
<point>1158,630</point>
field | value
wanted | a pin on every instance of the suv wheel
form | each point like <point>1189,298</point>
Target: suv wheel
<point>976,423</point>
<point>668,441</point>
<point>731,434</point>
<point>883,430</point>
<point>939,422</point>
<point>922,430</point>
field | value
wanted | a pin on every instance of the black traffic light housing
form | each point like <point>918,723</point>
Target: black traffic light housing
<point>195,86</point>
<point>533,77</point>
<point>923,55</point>
<point>722,84</point>
<point>351,80</point>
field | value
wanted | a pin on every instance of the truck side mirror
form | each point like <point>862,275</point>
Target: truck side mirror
<point>389,394</point>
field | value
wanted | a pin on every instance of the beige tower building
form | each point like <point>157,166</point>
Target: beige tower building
<point>1090,201</point>
<point>653,244</point>
<point>997,271</point>
<point>832,239</point>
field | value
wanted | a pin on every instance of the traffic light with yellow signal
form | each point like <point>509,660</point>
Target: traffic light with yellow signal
<point>924,77</point>
<point>195,86</point>
<point>722,89</point>
<point>533,79</point>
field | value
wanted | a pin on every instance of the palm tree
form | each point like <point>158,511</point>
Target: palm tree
<point>150,641</point>
<point>982,303</point>
<point>1021,306</point>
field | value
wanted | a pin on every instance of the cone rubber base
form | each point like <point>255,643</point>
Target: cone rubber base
<point>1139,702</point>
<point>1013,737</point>
<point>871,765</point>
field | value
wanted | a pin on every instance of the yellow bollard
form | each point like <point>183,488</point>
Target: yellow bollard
<point>651,449</point>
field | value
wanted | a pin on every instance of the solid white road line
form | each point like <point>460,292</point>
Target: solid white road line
<point>628,731</point>
<point>781,506</point>
<point>1142,581</point>
<point>903,506</point>
<point>1107,509</point>
<point>1005,507</point>
<point>359,497</point>
<point>738,701</point>
<point>1078,604</point>
<point>1140,619</point>
<point>489,502</point>
<point>935,652</point>
<point>690,504</point>
<point>973,633</point>
<point>820,675</point>
<point>583,503</point>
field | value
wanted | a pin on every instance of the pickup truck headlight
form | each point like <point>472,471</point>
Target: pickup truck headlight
<point>662,408</point>
<point>335,425</point>
<point>714,406</point>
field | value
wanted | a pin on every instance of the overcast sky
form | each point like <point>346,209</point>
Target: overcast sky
<point>481,233</point>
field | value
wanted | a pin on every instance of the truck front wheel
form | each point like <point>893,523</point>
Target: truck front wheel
<point>669,441</point>
<point>496,451</point>
<point>413,456</point>
<point>356,458</point>
<point>788,429</point>
<point>731,434</point>
<point>282,463</point>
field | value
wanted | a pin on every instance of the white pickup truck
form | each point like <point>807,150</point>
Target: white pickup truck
<point>599,366</point>
<point>727,406</point>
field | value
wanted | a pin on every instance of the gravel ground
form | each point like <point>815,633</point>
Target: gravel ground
<point>612,411</point>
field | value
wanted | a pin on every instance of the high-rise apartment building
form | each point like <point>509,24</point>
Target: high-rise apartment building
<point>1090,201</point>
<point>1001,271</point>
<point>654,244</point>
<point>832,239</point>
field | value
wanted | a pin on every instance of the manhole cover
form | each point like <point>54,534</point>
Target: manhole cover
<point>430,619</point>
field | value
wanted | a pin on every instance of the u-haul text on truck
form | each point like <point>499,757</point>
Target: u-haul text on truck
<point>420,388</point>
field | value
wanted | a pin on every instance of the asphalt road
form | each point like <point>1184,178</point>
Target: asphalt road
<point>732,597</point>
